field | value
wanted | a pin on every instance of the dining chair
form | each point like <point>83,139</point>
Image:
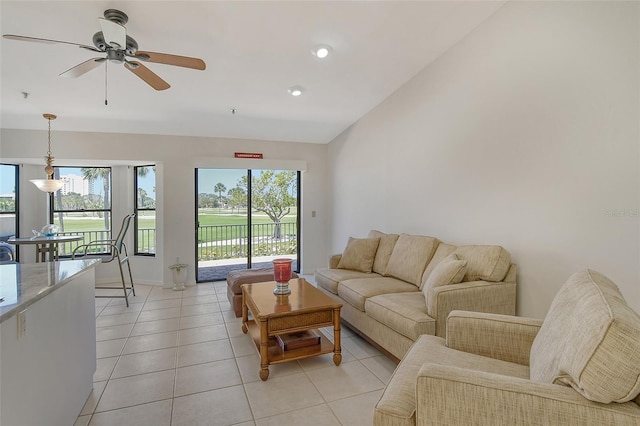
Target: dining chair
<point>117,252</point>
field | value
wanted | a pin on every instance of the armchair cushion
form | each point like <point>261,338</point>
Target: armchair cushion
<point>590,340</point>
<point>504,337</point>
<point>359,254</point>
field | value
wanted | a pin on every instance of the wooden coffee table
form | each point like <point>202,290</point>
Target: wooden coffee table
<point>306,308</point>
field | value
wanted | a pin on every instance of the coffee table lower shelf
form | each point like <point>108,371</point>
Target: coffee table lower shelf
<point>277,355</point>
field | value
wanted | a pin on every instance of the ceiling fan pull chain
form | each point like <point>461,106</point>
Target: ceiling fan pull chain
<point>106,66</point>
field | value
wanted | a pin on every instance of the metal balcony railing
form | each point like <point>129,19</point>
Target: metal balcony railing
<point>232,241</point>
<point>214,242</point>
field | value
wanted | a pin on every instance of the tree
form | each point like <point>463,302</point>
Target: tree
<point>94,173</point>
<point>237,197</point>
<point>145,202</point>
<point>219,188</point>
<point>58,195</point>
<point>72,201</point>
<point>271,194</point>
<point>206,200</point>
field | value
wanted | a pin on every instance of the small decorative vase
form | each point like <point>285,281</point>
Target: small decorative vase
<point>179,276</point>
<point>282,275</point>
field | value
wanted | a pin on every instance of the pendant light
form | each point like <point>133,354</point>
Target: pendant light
<point>49,184</point>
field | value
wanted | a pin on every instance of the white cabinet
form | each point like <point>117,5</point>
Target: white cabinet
<point>47,363</point>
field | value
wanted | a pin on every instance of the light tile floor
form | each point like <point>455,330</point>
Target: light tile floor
<point>180,358</point>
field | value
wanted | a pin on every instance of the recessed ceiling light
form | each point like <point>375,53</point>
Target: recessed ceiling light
<point>296,90</point>
<point>321,51</point>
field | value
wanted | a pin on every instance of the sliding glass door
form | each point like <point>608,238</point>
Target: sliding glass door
<point>245,219</point>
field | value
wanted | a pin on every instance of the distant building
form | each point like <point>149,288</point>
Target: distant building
<point>76,184</point>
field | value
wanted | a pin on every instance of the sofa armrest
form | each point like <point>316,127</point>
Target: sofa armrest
<point>455,396</point>
<point>334,260</point>
<point>503,337</point>
<point>477,296</point>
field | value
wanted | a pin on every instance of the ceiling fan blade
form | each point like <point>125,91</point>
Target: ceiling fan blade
<point>165,58</point>
<point>149,77</point>
<point>47,41</point>
<point>83,68</point>
<point>114,34</point>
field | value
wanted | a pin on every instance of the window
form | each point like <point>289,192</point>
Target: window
<point>8,200</point>
<point>145,210</point>
<point>83,205</point>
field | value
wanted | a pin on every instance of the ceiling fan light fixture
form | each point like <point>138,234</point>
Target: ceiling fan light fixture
<point>296,90</point>
<point>49,184</point>
<point>321,51</point>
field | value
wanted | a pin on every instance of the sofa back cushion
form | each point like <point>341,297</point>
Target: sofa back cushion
<point>385,248</point>
<point>487,263</point>
<point>410,257</point>
<point>590,340</point>
<point>359,254</point>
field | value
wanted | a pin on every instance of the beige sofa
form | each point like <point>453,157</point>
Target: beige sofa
<point>395,288</point>
<point>581,366</point>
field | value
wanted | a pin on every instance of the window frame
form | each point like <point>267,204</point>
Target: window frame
<point>137,209</point>
<point>16,203</point>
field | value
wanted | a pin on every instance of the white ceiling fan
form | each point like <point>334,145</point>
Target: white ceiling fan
<point>119,47</point>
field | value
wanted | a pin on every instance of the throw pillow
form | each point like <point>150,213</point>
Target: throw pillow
<point>359,254</point>
<point>450,270</point>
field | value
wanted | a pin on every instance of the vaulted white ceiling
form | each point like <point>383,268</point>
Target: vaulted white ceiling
<point>254,51</point>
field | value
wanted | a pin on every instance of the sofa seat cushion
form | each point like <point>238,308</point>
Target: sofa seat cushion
<point>329,279</point>
<point>410,257</point>
<point>589,340</point>
<point>405,313</point>
<point>486,263</point>
<point>397,405</point>
<point>356,291</point>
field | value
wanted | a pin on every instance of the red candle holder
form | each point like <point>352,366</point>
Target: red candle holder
<point>282,275</point>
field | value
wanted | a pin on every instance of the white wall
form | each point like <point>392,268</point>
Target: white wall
<point>525,134</point>
<point>176,158</point>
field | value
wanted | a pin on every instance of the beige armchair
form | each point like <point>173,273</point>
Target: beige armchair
<point>580,366</point>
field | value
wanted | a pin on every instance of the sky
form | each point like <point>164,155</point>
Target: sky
<point>7,177</point>
<point>208,178</point>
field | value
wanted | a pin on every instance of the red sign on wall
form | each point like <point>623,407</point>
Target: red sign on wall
<point>248,155</point>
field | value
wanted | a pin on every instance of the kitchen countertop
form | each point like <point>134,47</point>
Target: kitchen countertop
<point>21,285</point>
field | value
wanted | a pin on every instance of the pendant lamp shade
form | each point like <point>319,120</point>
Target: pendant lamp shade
<point>49,184</point>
